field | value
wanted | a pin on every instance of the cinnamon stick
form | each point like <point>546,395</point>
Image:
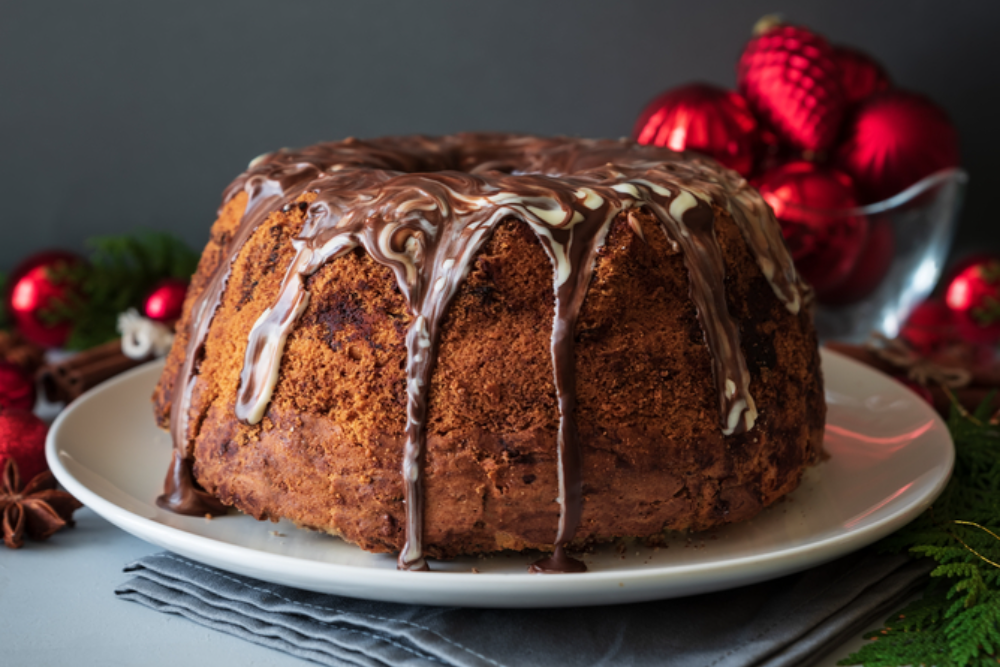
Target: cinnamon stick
<point>68,379</point>
<point>16,350</point>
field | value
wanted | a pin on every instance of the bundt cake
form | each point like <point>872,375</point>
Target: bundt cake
<point>464,344</point>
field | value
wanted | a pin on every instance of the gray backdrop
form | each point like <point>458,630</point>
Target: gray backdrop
<point>118,114</point>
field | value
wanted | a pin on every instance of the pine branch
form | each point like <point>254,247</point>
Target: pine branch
<point>987,313</point>
<point>122,271</point>
<point>975,633</point>
<point>990,271</point>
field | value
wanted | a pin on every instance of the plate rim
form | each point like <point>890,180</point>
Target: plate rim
<point>573,588</point>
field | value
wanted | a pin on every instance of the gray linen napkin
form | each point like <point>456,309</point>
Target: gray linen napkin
<point>786,621</point>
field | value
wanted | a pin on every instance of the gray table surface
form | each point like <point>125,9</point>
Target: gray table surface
<point>58,608</point>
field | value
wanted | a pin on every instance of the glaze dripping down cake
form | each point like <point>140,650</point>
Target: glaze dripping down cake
<point>458,345</point>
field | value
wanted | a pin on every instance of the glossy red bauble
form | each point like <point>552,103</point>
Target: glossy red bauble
<point>166,300</point>
<point>860,76</point>
<point>894,139</point>
<point>17,388</point>
<point>964,262</point>
<point>703,118</point>
<point>930,327</point>
<point>22,436</point>
<point>825,242</point>
<point>789,77</point>
<point>973,296</point>
<point>35,288</point>
<point>873,264</point>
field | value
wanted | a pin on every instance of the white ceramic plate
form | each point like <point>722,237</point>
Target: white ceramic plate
<point>890,456</point>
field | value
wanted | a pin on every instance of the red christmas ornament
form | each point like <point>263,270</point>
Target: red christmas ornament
<point>873,264</point>
<point>34,289</point>
<point>824,242</point>
<point>860,76</point>
<point>973,296</point>
<point>17,388</point>
<point>704,118</point>
<point>893,140</point>
<point>166,300</point>
<point>965,262</point>
<point>930,327</point>
<point>22,436</point>
<point>789,76</point>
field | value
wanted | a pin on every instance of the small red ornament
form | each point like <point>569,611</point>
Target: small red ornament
<point>166,300</point>
<point>22,436</point>
<point>873,264</point>
<point>824,242</point>
<point>893,140</point>
<point>971,259</point>
<point>34,289</point>
<point>973,296</point>
<point>17,388</point>
<point>860,76</point>
<point>703,118</point>
<point>930,327</point>
<point>789,76</point>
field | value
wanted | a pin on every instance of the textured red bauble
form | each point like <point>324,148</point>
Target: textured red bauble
<point>17,388</point>
<point>166,300</point>
<point>703,118</point>
<point>893,140</point>
<point>873,264</point>
<point>860,75</point>
<point>929,327</point>
<point>33,289</point>
<point>22,436</point>
<point>790,78</point>
<point>825,242</point>
<point>973,295</point>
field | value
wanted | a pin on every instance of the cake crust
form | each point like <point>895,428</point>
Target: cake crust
<point>328,452</point>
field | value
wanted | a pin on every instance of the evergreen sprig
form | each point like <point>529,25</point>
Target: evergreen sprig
<point>957,621</point>
<point>121,272</point>
<point>988,312</point>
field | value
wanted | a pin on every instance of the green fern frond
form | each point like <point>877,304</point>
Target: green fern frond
<point>892,648</point>
<point>976,632</point>
<point>918,615</point>
<point>945,555</point>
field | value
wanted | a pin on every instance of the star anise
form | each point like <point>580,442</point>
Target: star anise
<point>15,349</point>
<point>38,510</point>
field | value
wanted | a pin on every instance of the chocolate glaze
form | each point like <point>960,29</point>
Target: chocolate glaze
<point>266,190</point>
<point>424,206</point>
<point>558,563</point>
<point>181,493</point>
